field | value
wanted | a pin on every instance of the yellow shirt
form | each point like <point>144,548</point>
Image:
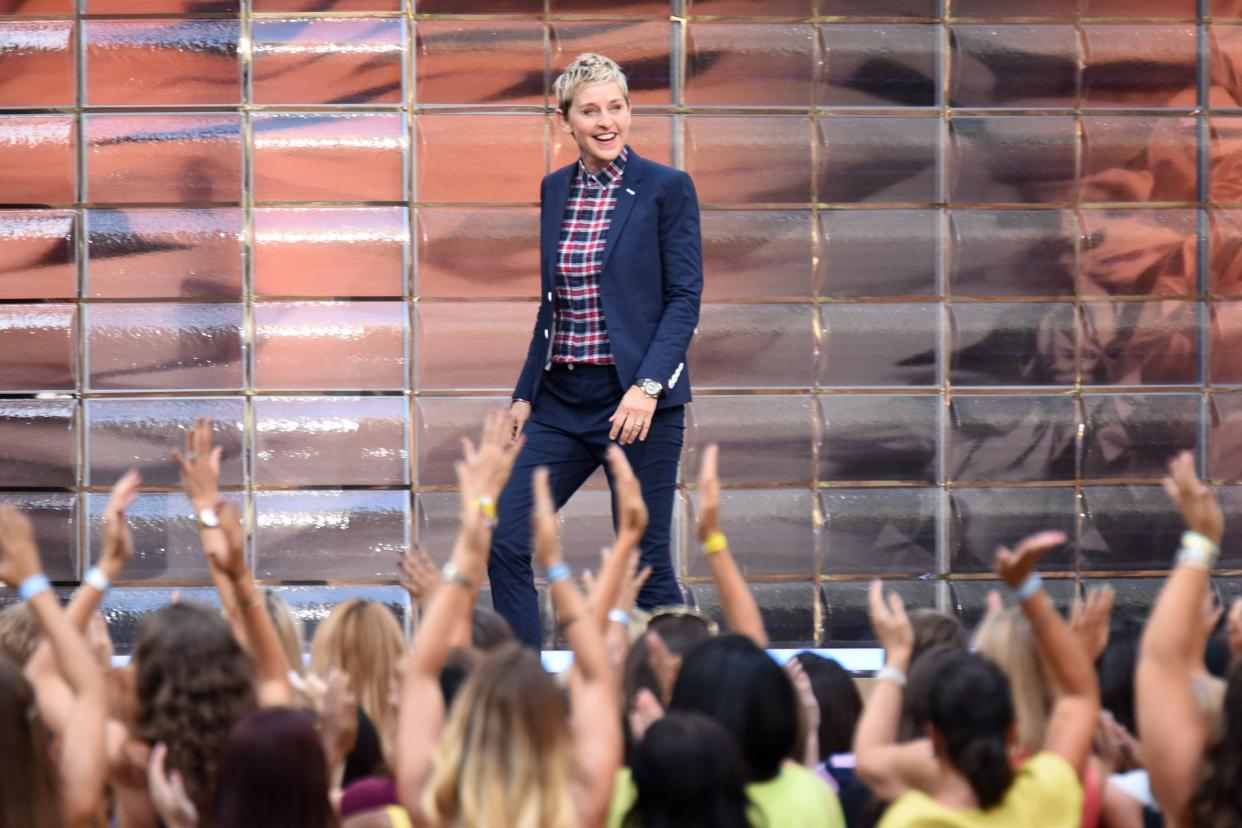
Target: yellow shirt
<point>794,798</point>
<point>1045,793</point>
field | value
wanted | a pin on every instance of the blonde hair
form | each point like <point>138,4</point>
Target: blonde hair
<point>503,759</point>
<point>586,70</point>
<point>288,629</point>
<point>1006,639</point>
<point>363,639</point>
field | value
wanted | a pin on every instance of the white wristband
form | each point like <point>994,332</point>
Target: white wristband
<point>619,616</point>
<point>96,578</point>
<point>890,673</point>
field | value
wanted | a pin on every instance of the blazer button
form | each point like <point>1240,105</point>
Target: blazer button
<point>545,333</point>
<point>549,296</point>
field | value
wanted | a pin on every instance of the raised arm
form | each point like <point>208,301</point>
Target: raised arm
<point>593,722</point>
<point>632,522</point>
<point>1076,711</point>
<point>1170,725</point>
<point>199,466</point>
<point>420,714</point>
<point>889,768</point>
<point>270,661</point>
<point>740,610</point>
<point>81,760</point>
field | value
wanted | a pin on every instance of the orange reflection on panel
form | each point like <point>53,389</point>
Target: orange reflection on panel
<point>479,62</point>
<point>1139,252</point>
<point>330,251</point>
<point>327,61</point>
<point>37,254</point>
<point>163,158</point>
<point>1140,66</point>
<point>36,63</point>
<point>755,64</point>
<point>330,345</point>
<point>154,62</point>
<point>37,159</point>
<point>498,157</point>
<point>474,253</point>
<point>329,157</point>
<point>156,253</point>
<point>642,48</point>
<point>756,159</point>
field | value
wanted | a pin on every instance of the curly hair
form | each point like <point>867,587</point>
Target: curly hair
<point>194,683</point>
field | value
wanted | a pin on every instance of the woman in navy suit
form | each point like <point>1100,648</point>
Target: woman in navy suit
<point>621,277</point>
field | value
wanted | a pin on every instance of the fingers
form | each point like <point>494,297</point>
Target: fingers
<point>875,602</point>
<point>708,468</point>
<point>124,491</point>
<point>897,607</point>
<point>230,522</point>
<point>641,579</point>
<point>1040,542</point>
<point>543,493</point>
<point>619,464</point>
<point>468,451</point>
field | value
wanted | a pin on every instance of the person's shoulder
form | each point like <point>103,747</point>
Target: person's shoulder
<point>1049,768</point>
<point>661,172</point>
<point>793,793</point>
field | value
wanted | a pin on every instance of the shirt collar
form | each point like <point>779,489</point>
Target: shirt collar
<point>607,176</point>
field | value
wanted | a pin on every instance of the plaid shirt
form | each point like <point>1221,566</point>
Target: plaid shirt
<point>581,335</point>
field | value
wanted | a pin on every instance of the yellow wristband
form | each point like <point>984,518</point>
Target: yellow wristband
<point>487,505</point>
<point>714,542</point>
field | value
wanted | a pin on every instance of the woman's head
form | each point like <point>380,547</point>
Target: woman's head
<point>688,772</point>
<point>503,758</point>
<point>970,717</point>
<point>933,628</point>
<point>733,681</point>
<point>193,684</point>
<point>1006,640</point>
<point>28,789</point>
<point>363,639</point>
<point>840,704</point>
<point>274,773</point>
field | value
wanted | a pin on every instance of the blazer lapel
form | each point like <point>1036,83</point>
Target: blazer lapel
<point>553,217</point>
<point>627,194</point>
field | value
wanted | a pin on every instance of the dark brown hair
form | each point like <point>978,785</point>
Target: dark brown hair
<point>194,683</point>
<point>29,794</point>
<point>1217,801</point>
<point>274,774</point>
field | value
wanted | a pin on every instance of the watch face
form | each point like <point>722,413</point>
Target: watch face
<point>651,387</point>
<point>208,518</point>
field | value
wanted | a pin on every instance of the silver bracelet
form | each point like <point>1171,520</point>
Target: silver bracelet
<point>891,673</point>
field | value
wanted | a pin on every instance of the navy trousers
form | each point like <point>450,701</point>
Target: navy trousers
<point>568,433</point>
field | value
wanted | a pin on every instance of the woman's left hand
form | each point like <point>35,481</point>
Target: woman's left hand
<point>632,419</point>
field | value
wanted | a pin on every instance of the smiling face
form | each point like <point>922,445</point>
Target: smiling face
<point>599,120</point>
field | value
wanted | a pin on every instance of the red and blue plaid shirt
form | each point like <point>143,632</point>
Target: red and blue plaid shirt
<point>581,334</point>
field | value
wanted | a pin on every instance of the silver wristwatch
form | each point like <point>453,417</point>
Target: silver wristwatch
<point>207,518</point>
<point>650,387</point>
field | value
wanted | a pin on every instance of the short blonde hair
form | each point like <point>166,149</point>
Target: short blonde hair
<point>587,69</point>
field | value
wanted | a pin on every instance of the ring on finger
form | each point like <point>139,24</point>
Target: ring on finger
<point>191,456</point>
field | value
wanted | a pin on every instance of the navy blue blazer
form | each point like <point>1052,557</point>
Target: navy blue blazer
<point>651,281</point>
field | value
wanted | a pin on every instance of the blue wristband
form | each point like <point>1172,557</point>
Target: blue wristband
<point>1028,588</point>
<point>33,585</point>
<point>557,572</point>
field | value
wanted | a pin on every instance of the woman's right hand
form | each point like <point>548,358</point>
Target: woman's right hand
<point>519,413</point>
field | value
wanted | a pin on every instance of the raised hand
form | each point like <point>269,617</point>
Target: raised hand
<point>892,626</point>
<point>1014,566</point>
<point>1089,621</point>
<point>1194,499</point>
<point>19,554</point>
<point>631,584</point>
<point>168,792</point>
<point>1234,626</point>
<point>709,492</point>
<point>419,576</point>
<point>810,710</point>
<point>631,508</point>
<point>118,540</point>
<point>489,465</point>
<point>544,522</point>
<point>338,719</point>
<point>200,465</point>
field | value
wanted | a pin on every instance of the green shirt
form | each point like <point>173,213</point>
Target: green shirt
<point>794,798</point>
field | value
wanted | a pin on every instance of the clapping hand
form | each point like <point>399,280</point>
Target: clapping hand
<point>1194,499</point>
<point>1015,566</point>
<point>200,465</point>
<point>118,540</point>
<point>19,554</point>
<point>892,626</point>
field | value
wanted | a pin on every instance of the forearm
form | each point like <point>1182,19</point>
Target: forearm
<point>69,649</point>
<point>881,716</point>
<point>584,637</point>
<point>1071,669</point>
<point>445,612</point>
<point>271,663</point>
<point>1169,637</point>
<point>610,577</point>
<point>741,612</point>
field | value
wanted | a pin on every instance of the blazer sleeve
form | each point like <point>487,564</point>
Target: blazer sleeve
<point>525,388</point>
<point>681,255</point>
